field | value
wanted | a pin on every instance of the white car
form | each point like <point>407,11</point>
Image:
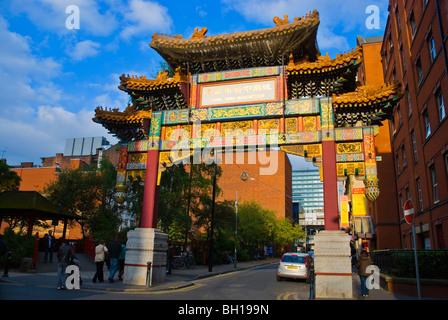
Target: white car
<point>294,265</point>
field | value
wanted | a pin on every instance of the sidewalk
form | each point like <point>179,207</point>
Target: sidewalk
<point>45,276</point>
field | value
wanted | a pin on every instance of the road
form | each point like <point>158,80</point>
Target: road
<point>252,284</point>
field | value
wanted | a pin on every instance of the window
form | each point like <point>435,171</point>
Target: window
<point>413,24</point>
<point>435,188</point>
<point>403,61</point>
<point>419,71</point>
<point>446,162</point>
<point>419,193</point>
<point>403,155</point>
<point>397,161</point>
<point>427,124</point>
<point>409,102</point>
<point>398,20</point>
<point>414,146</point>
<point>440,105</point>
<point>432,48</point>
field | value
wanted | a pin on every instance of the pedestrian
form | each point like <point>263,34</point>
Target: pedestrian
<point>170,256</point>
<point>100,255</point>
<point>363,262</point>
<point>353,253</point>
<point>49,243</point>
<point>64,254</point>
<point>114,249</point>
<point>121,260</point>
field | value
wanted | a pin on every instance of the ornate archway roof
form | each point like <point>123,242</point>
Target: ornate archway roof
<point>264,47</point>
<point>324,64</point>
<point>161,82</point>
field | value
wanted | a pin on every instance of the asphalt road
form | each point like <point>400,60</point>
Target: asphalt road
<point>252,284</point>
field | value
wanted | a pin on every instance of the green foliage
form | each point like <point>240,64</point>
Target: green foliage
<point>88,194</point>
<point>20,244</point>
<point>255,224</point>
<point>9,180</point>
<point>285,233</point>
<point>185,192</point>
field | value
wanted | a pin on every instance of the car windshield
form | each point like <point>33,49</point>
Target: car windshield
<point>294,259</point>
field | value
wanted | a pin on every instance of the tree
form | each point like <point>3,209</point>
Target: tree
<point>9,180</point>
<point>285,233</point>
<point>185,196</point>
<point>255,224</point>
<point>88,194</point>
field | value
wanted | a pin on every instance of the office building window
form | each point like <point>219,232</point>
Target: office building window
<point>446,162</point>
<point>414,146</point>
<point>427,124</point>
<point>435,188</point>
<point>432,48</point>
<point>440,105</point>
<point>419,71</point>
<point>408,95</point>
<point>413,24</point>
<point>403,155</point>
<point>419,193</point>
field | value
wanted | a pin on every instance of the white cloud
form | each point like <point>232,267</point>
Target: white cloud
<point>343,16</point>
<point>144,17</point>
<point>50,15</point>
<point>84,49</point>
<point>33,121</point>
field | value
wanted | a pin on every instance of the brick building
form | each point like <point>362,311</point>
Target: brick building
<point>384,211</point>
<point>414,51</point>
<point>272,191</point>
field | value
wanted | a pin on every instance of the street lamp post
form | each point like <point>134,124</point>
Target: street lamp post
<point>236,229</point>
<point>212,222</point>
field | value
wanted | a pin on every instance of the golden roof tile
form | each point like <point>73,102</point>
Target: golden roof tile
<point>129,115</point>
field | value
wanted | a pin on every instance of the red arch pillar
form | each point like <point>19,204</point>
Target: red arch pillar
<point>331,207</point>
<point>150,193</point>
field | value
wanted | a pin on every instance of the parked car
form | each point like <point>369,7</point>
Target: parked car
<point>294,265</point>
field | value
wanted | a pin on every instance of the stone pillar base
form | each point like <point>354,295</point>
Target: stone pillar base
<point>332,265</point>
<point>145,245</point>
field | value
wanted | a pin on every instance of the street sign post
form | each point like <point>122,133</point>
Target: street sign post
<point>408,209</point>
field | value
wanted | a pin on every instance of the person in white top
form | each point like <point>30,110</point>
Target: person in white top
<point>100,255</point>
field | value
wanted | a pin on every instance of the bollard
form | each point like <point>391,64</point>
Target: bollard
<point>312,281</point>
<point>8,260</point>
<point>148,275</point>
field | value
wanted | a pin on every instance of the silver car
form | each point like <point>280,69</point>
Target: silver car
<point>294,265</point>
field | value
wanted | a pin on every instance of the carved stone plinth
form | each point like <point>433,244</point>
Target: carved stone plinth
<point>145,245</point>
<point>332,265</point>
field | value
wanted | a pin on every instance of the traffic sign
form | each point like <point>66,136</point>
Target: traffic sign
<point>409,211</point>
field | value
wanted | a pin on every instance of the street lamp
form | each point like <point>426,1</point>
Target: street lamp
<point>236,228</point>
<point>212,222</point>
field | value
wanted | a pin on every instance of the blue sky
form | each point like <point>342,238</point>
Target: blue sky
<point>53,78</point>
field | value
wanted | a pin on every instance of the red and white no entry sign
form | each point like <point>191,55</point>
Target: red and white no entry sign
<point>408,211</point>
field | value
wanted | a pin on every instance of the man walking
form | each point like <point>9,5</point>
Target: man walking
<point>49,242</point>
<point>114,254</point>
<point>64,254</point>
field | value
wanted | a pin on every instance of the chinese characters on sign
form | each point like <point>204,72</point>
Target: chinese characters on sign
<point>239,93</point>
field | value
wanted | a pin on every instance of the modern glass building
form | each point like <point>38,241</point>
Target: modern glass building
<point>307,189</point>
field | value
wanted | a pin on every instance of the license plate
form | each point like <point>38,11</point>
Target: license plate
<point>291,267</point>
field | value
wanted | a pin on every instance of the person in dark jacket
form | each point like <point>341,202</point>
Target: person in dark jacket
<point>363,262</point>
<point>65,253</point>
<point>49,242</point>
<point>114,254</point>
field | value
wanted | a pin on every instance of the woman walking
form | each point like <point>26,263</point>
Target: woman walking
<point>100,255</point>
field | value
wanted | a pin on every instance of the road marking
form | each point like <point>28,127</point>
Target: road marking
<point>285,296</point>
